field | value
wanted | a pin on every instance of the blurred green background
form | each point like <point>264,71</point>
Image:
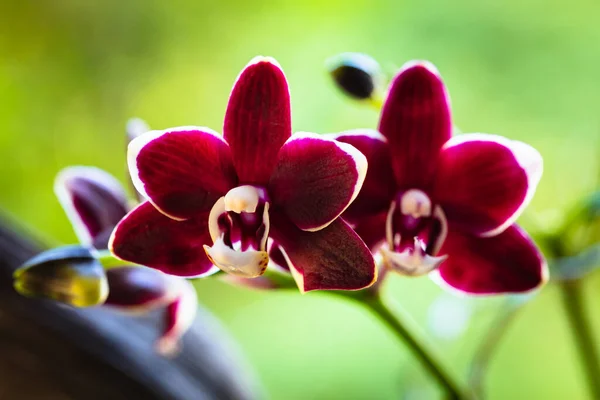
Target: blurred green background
<point>72,72</point>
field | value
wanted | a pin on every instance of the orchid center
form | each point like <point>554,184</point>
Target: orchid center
<point>415,231</point>
<point>239,227</point>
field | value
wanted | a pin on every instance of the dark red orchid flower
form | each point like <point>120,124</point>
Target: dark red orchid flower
<point>217,200</point>
<point>95,202</point>
<point>434,202</point>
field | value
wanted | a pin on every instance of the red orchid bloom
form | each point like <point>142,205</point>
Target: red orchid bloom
<point>445,203</point>
<point>218,200</point>
<point>95,202</point>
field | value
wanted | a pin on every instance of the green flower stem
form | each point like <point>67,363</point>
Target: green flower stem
<point>580,326</point>
<point>406,330</point>
<point>109,261</point>
<point>489,345</point>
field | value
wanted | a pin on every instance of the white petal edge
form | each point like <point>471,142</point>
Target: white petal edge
<point>66,200</point>
<point>257,60</point>
<point>527,157</point>
<point>298,277</point>
<point>360,163</point>
<point>370,133</point>
<point>135,147</point>
<point>427,65</point>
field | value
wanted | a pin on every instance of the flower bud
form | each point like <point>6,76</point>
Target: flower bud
<point>357,75</point>
<point>70,275</point>
<point>94,202</point>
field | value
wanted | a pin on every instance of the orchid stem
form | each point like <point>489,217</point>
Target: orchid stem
<point>406,330</point>
<point>489,345</point>
<point>109,261</point>
<point>580,326</point>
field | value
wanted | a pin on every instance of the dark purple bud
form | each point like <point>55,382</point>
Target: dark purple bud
<point>357,75</point>
<point>94,202</point>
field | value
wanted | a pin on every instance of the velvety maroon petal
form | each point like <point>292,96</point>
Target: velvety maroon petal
<point>372,230</point>
<point>93,200</point>
<point>258,119</point>
<point>507,263</point>
<point>416,121</point>
<point>182,171</point>
<point>316,179</point>
<point>332,258</point>
<point>484,181</point>
<point>136,287</point>
<point>147,237</point>
<point>139,289</point>
<point>379,186</point>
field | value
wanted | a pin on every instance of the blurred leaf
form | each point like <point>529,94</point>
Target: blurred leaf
<point>575,267</point>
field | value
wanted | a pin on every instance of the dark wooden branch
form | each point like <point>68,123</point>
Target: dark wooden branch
<point>49,351</point>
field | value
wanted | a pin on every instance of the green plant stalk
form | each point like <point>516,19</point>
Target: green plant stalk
<point>580,326</point>
<point>401,324</point>
<point>108,260</point>
<point>486,350</point>
<point>584,338</point>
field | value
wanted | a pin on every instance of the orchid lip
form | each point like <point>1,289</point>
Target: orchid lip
<point>412,262</point>
<point>246,264</point>
<point>414,241</point>
<point>239,228</point>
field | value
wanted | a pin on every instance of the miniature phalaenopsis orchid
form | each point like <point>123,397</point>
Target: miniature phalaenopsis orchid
<point>220,201</point>
<point>95,202</point>
<point>436,202</point>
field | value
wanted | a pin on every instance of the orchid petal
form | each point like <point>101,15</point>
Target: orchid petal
<point>507,263</point>
<point>258,119</point>
<point>179,316</point>
<point>316,179</point>
<point>485,181</point>
<point>147,237</point>
<point>138,290</point>
<point>93,200</point>
<point>416,121</point>
<point>332,258</point>
<point>182,171</point>
<point>379,186</point>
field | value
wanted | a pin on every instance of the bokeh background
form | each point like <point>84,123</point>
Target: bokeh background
<point>72,72</point>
